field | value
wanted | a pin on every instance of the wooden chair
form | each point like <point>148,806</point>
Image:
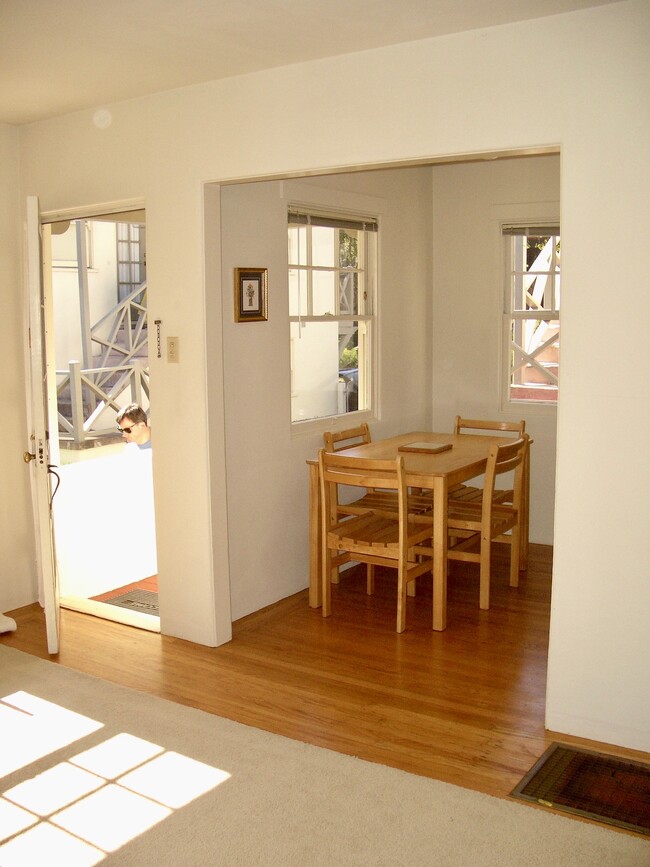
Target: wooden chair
<point>336,441</point>
<point>374,499</point>
<point>470,523</point>
<point>470,492</point>
<point>501,495</point>
<point>374,538</point>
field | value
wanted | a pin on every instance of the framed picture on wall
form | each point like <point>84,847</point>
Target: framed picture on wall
<point>251,290</point>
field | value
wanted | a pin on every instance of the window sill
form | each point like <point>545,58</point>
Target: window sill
<point>331,422</point>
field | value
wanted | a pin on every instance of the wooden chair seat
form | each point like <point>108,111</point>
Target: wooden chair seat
<point>385,502</point>
<point>374,534</point>
<point>470,494</point>
<point>466,514</point>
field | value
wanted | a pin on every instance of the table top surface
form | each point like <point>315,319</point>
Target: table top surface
<point>466,458</point>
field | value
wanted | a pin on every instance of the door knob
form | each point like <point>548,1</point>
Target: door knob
<point>28,456</point>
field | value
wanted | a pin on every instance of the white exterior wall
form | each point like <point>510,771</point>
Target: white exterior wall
<point>102,290</point>
<point>448,96</point>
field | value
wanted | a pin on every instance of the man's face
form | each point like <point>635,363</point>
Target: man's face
<point>132,432</point>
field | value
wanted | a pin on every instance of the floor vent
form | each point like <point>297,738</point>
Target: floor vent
<point>594,785</point>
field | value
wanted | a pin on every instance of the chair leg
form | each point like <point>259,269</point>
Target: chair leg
<point>515,551</point>
<point>370,579</point>
<point>484,591</point>
<point>411,587</point>
<point>525,515</point>
<point>401,599</point>
<point>326,579</point>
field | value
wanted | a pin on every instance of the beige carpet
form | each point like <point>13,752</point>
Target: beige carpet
<point>94,773</point>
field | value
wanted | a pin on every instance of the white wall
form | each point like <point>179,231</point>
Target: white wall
<point>600,642</point>
<point>454,95</point>
<point>470,202</point>
<point>267,473</point>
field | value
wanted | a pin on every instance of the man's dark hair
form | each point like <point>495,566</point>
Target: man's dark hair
<point>133,413</point>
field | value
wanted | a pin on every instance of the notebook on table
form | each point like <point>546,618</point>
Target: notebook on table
<point>425,447</point>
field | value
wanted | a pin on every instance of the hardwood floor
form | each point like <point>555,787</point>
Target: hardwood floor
<point>465,706</point>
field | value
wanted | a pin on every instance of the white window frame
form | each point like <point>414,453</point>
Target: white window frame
<point>368,373</point>
<point>532,217</point>
<point>130,257</point>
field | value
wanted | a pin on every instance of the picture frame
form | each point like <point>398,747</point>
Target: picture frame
<point>251,294</point>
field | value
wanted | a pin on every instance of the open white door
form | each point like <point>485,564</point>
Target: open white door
<point>41,389</point>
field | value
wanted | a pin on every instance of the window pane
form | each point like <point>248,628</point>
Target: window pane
<point>297,245</point>
<point>330,359</point>
<point>322,246</point>
<point>315,370</point>
<point>535,272</point>
<point>297,292</point>
<point>349,248</point>
<point>324,300</point>
<point>328,363</point>
<point>532,303</point>
<point>534,363</point>
<point>349,292</point>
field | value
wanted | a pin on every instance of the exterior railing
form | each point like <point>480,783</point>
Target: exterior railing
<point>84,420</point>
<point>128,321</point>
<point>85,394</point>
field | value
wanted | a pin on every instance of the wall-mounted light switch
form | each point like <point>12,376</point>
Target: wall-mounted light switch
<point>173,350</point>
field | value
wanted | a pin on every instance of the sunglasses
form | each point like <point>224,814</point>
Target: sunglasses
<point>127,430</point>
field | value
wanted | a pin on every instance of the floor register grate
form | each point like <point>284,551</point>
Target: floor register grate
<point>594,785</point>
<point>144,601</point>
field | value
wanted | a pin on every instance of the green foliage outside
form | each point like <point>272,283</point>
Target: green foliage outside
<point>349,358</point>
<point>348,250</point>
<point>348,258</point>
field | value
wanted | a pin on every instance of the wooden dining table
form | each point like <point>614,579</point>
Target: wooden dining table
<point>438,472</point>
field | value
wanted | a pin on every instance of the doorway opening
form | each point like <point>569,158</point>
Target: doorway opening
<point>103,505</point>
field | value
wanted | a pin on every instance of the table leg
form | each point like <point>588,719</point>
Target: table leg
<point>440,491</point>
<point>525,518</point>
<point>315,587</point>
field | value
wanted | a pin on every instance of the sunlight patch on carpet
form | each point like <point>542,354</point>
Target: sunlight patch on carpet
<point>597,786</point>
<point>59,816</point>
<point>35,728</point>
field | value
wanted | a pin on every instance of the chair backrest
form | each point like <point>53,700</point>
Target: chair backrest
<point>337,469</point>
<point>336,441</point>
<point>517,427</point>
<point>502,459</point>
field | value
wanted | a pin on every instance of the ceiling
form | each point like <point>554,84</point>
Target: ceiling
<point>60,56</point>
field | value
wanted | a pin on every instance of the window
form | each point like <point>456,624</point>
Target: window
<point>131,268</point>
<point>532,312</point>
<point>332,281</point>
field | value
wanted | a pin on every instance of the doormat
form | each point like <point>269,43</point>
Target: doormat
<point>144,601</point>
<point>594,785</point>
